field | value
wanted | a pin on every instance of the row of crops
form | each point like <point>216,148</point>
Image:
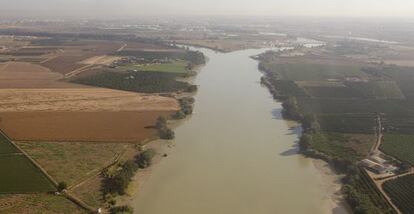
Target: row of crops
<point>399,146</point>
<point>401,192</point>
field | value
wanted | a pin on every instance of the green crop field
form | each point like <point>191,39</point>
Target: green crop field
<point>333,92</point>
<point>173,67</point>
<point>140,81</point>
<point>6,147</point>
<point>378,89</point>
<point>347,123</point>
<point>18,173</point>
<point>399,146</point>
<point>401,192</point>
<point>313,71</point>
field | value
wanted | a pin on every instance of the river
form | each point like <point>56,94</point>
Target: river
<point>235,154</point>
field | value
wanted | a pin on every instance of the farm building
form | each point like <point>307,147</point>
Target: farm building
<point>376,167</point>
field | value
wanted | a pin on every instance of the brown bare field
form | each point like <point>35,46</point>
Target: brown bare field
<point>82,99</point>
<point>28,75</point>
<point>100,60</point>
<point>84,114</point>
<point>13,42</point>
<point>123,126</point>
<point>65,63</point>
<point>73,53</point>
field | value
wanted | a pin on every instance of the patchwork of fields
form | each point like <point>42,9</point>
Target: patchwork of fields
<point>338,102</point>
<point>74,131</point>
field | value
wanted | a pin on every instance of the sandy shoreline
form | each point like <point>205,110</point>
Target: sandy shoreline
<point>332,183</point>
<point>332,186</point>
<point>162,148</point>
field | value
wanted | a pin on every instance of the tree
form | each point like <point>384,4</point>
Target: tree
<point>62,186</point>
<point>144,158</point>
<point>290,108</point>
<point>122,210</point>
<point>161,122</point>
<point>305,142</point>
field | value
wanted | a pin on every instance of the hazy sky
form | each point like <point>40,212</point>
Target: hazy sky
<point>397,8</point>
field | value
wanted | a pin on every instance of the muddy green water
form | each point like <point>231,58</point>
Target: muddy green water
<point>235,155</point>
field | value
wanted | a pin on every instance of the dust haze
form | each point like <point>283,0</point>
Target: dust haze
<point>109,8</point>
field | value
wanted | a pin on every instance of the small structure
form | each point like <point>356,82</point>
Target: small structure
<point>378,168</point>
<point>377,159</point>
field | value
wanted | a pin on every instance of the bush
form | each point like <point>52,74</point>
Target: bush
<point>122,210</point>
<point>62,186</point>
<point>179,115</point>
<point>119,182</point>
<point>163,131</point>
<point>144,159</point>
<point>166,133</point>
<point>161,123</point>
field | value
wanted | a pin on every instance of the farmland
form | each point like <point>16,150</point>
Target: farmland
<point>399,146</point>
<point>401,190</point>
<point>337,100</point>
<point>141,81</point>
<point>20,174</point>
<point>301,71</point>
<point>40,203</point>
<point>101,126</point>
<point>72,162</point>
<point>29,75</point>
<point>173,67</point>
<point>73,131</point>
<point>59,114</point>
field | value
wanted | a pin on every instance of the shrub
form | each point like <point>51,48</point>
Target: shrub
<point>62,186</point>
<point>119,182</point>
<point>144,159</point>
<point>122,210</point>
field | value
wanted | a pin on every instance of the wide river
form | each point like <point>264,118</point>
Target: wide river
<point>235,155</point>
